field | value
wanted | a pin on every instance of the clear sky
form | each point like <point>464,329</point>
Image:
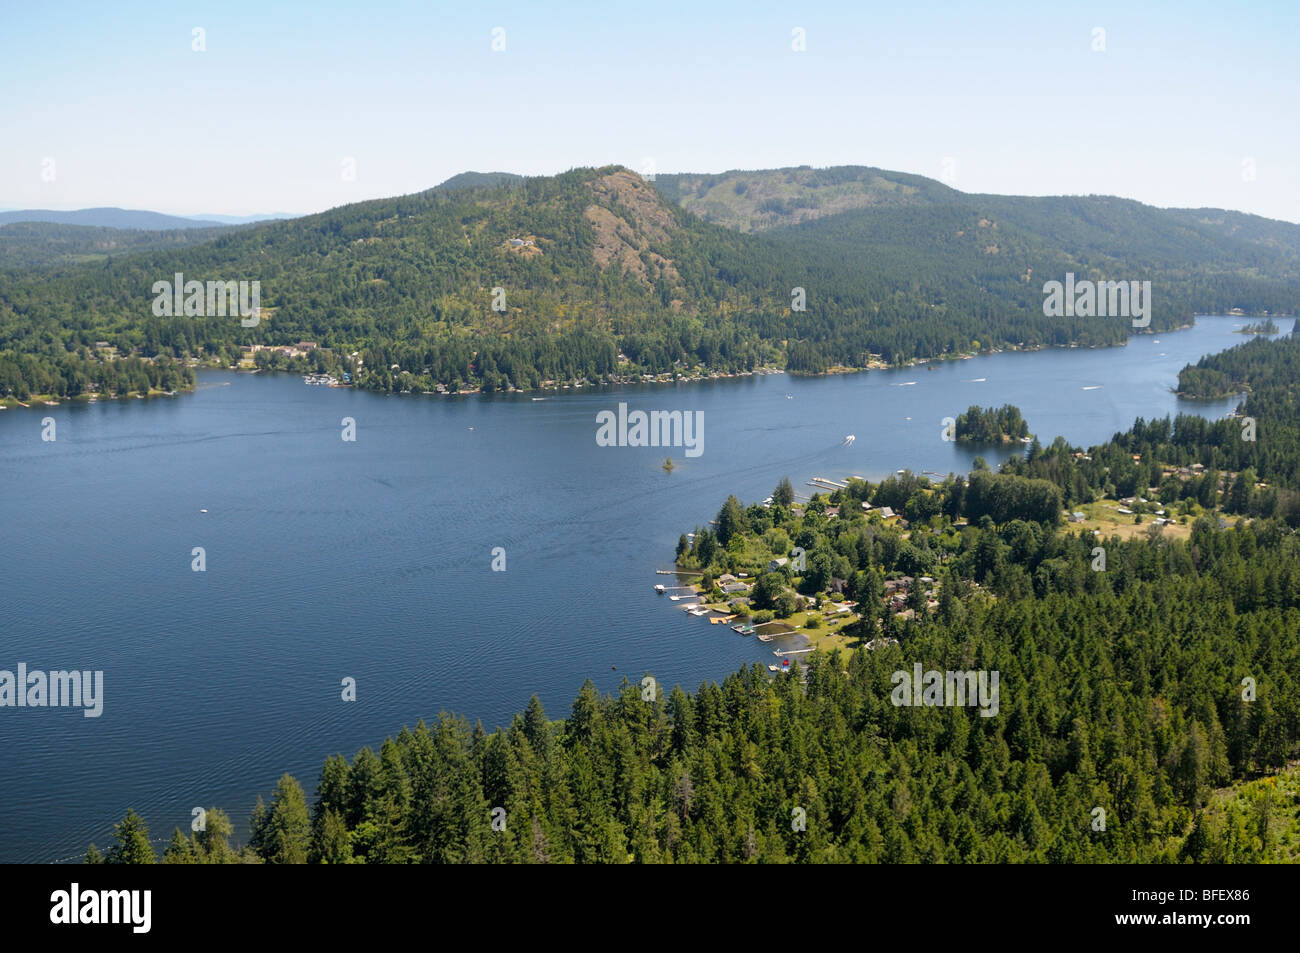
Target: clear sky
<point>1189,104</point>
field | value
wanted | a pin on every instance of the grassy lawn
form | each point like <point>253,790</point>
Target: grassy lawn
<point>1104,515</point>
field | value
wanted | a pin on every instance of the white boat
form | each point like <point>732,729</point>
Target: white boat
<point>661,589</point>
<point>774,668</point>
<point>848,440</point>
<point>1093,387</point>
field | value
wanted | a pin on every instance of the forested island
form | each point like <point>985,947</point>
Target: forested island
<point>1260,327</point>
<point>992,425</point>
<point>1147,678</point>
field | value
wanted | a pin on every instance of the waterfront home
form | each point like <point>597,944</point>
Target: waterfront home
<point>1077,517</point>
<point>777,563</point>
<point>887,513</point>
<point>732,588</point>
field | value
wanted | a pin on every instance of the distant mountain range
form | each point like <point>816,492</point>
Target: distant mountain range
<point>493,280</point>
<point>240,219</point>
<point>130,218</point>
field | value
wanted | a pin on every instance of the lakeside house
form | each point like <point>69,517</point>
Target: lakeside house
<point>777,563</point>
<point>887,513</point>
<point>1077,517</point>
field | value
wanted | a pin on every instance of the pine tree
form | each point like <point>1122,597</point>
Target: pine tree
<point>282,832</point>
<point>783,495</point>
<point>330,843</point>
<point>179,849</point>
<point>133,846</point>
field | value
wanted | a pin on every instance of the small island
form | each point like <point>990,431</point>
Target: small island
<point>1260,327</point>
<point>992,425</point>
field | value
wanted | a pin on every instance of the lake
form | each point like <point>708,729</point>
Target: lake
<point>372,559</point>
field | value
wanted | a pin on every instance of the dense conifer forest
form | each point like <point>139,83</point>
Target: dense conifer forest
<point>492,282</point>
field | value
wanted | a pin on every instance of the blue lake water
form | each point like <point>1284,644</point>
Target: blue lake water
<point>372,559</point>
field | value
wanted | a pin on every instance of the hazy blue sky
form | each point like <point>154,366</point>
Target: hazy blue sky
<point>1186,100</point>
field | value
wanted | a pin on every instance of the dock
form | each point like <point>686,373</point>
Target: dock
<point>826,484</point>
<point>791,651</point>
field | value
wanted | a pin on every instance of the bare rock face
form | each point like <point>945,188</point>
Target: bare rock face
<point>628,217</point>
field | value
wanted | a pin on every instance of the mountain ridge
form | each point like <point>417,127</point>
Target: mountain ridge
<point>490,281</point>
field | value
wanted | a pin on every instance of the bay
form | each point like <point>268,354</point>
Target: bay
<point>372,560</point>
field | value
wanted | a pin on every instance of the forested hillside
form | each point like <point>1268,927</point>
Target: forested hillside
<point>32,245</point>
<point>757,200</point>
<point>493,282</point>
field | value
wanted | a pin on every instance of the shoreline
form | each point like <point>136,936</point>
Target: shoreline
<point>40,401</point>
<point>700,377</point>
